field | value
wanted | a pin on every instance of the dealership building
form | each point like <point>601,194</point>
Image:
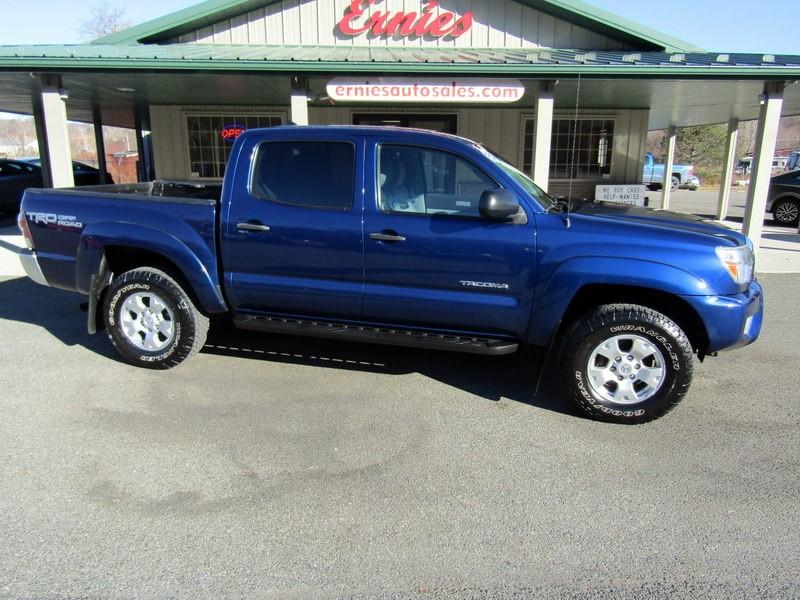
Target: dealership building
<point>561,89</point>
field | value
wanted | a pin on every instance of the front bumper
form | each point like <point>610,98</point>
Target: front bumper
<point>693,182</point>
<point>731,321</point>
<point>31,265</point>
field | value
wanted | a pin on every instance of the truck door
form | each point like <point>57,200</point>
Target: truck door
<point>293,232</point>
<point>431,260</point>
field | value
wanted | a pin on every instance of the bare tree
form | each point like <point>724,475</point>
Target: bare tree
<point>105,18</point>
<point>18,132</point>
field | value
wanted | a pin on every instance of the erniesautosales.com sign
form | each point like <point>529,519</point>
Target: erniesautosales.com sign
<point>449,91</point>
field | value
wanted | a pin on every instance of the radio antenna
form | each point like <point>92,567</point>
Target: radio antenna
<point>573,151</point>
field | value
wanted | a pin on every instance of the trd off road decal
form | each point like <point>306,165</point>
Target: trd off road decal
<point>53,219</point>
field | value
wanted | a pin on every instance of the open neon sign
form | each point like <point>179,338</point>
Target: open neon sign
<point>404,24</point>
<point>229,133</point>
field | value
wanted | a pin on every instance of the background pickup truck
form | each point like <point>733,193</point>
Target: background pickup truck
<point>402,237</point>
<point>683,176</point>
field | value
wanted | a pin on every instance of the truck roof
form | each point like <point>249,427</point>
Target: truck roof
<point>383,130</point>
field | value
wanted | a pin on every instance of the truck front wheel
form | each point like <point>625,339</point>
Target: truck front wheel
<point>151,320</point>
<point>626,363</point>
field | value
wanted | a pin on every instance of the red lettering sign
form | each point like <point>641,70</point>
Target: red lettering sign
<point>230,132</point>
<point>404,24</point>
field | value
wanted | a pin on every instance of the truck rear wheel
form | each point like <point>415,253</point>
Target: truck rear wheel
<point>151,320</point>
<point>625,363</point>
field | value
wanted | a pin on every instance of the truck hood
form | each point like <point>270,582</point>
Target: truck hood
<point>663,219</point>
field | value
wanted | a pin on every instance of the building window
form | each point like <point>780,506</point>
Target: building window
<point>209,149</point>
<point>593,141</point>
<point>307,174</point>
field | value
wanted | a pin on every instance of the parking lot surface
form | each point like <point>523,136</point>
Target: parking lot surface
<point>292,468</point>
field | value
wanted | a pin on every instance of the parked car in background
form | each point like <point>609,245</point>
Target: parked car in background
<point>683,176</point>
<point>15,177</point>
<point>780,164</point>
<point>18,175</point>
<point>793,162</point>
<point>784,199</point>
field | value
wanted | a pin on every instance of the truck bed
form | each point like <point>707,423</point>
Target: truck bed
<point>67,224</point>
<point>172,190</point>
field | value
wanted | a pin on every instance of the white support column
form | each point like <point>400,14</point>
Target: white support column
<point>766,139</point>
<point>727,173</point>
<point>99,142</point>
<point>54,121</point>
<point>666,183</point>
<point>299,102</point>
<point>543,134</point>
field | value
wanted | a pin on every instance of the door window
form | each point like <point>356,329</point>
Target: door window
<point>425,181</point>
<point>310,174</point>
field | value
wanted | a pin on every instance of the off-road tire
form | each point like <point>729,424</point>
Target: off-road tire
<point>190,325</point>
<point>613,320</point>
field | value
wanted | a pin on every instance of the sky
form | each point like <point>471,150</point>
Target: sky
<point>766,26</point>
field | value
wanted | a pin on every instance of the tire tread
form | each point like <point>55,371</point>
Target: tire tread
<point>609,314</point>
<point>200,321</point>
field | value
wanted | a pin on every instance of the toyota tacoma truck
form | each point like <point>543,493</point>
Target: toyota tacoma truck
<point>404,237</point>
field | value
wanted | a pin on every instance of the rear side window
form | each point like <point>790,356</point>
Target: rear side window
<point>309,174</point>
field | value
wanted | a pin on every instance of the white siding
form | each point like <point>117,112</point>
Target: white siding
<point>497,128</point>
<point>498,24</point>
<point>170,138</point>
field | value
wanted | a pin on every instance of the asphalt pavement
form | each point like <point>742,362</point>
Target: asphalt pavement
<point>277,467</point>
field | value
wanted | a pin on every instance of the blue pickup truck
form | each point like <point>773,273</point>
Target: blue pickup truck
<point>402,237</point>
<point>683,176</point>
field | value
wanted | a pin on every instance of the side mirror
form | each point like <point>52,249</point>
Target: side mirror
<point>498,205</point>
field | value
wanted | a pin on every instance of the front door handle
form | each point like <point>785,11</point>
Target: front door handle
<point>387,236</point>
<point>252,226</point>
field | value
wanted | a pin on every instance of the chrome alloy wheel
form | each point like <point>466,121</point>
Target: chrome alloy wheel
<point>147,322</point>
<point>787,212</point>
<point>626,369</point>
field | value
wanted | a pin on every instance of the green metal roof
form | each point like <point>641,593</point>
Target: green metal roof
<point>354,59</point>
<point>575,11</point>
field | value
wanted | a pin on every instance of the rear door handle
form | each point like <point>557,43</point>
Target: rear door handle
<point>252,226</point>
<point>387,236</point>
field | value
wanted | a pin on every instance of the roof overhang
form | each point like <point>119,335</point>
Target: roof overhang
<point>677,89</point>
<point>354,59</point>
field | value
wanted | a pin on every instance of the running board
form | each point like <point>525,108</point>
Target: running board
<point>376,335</point>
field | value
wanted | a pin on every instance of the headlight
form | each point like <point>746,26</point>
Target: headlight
<point>739,262</point>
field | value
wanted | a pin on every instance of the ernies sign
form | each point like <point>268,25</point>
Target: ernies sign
<point>401,23</point>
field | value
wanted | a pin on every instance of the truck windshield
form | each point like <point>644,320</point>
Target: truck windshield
<point>543,198</point>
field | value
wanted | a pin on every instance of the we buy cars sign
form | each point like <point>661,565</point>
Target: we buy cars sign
<point>450,91</point>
